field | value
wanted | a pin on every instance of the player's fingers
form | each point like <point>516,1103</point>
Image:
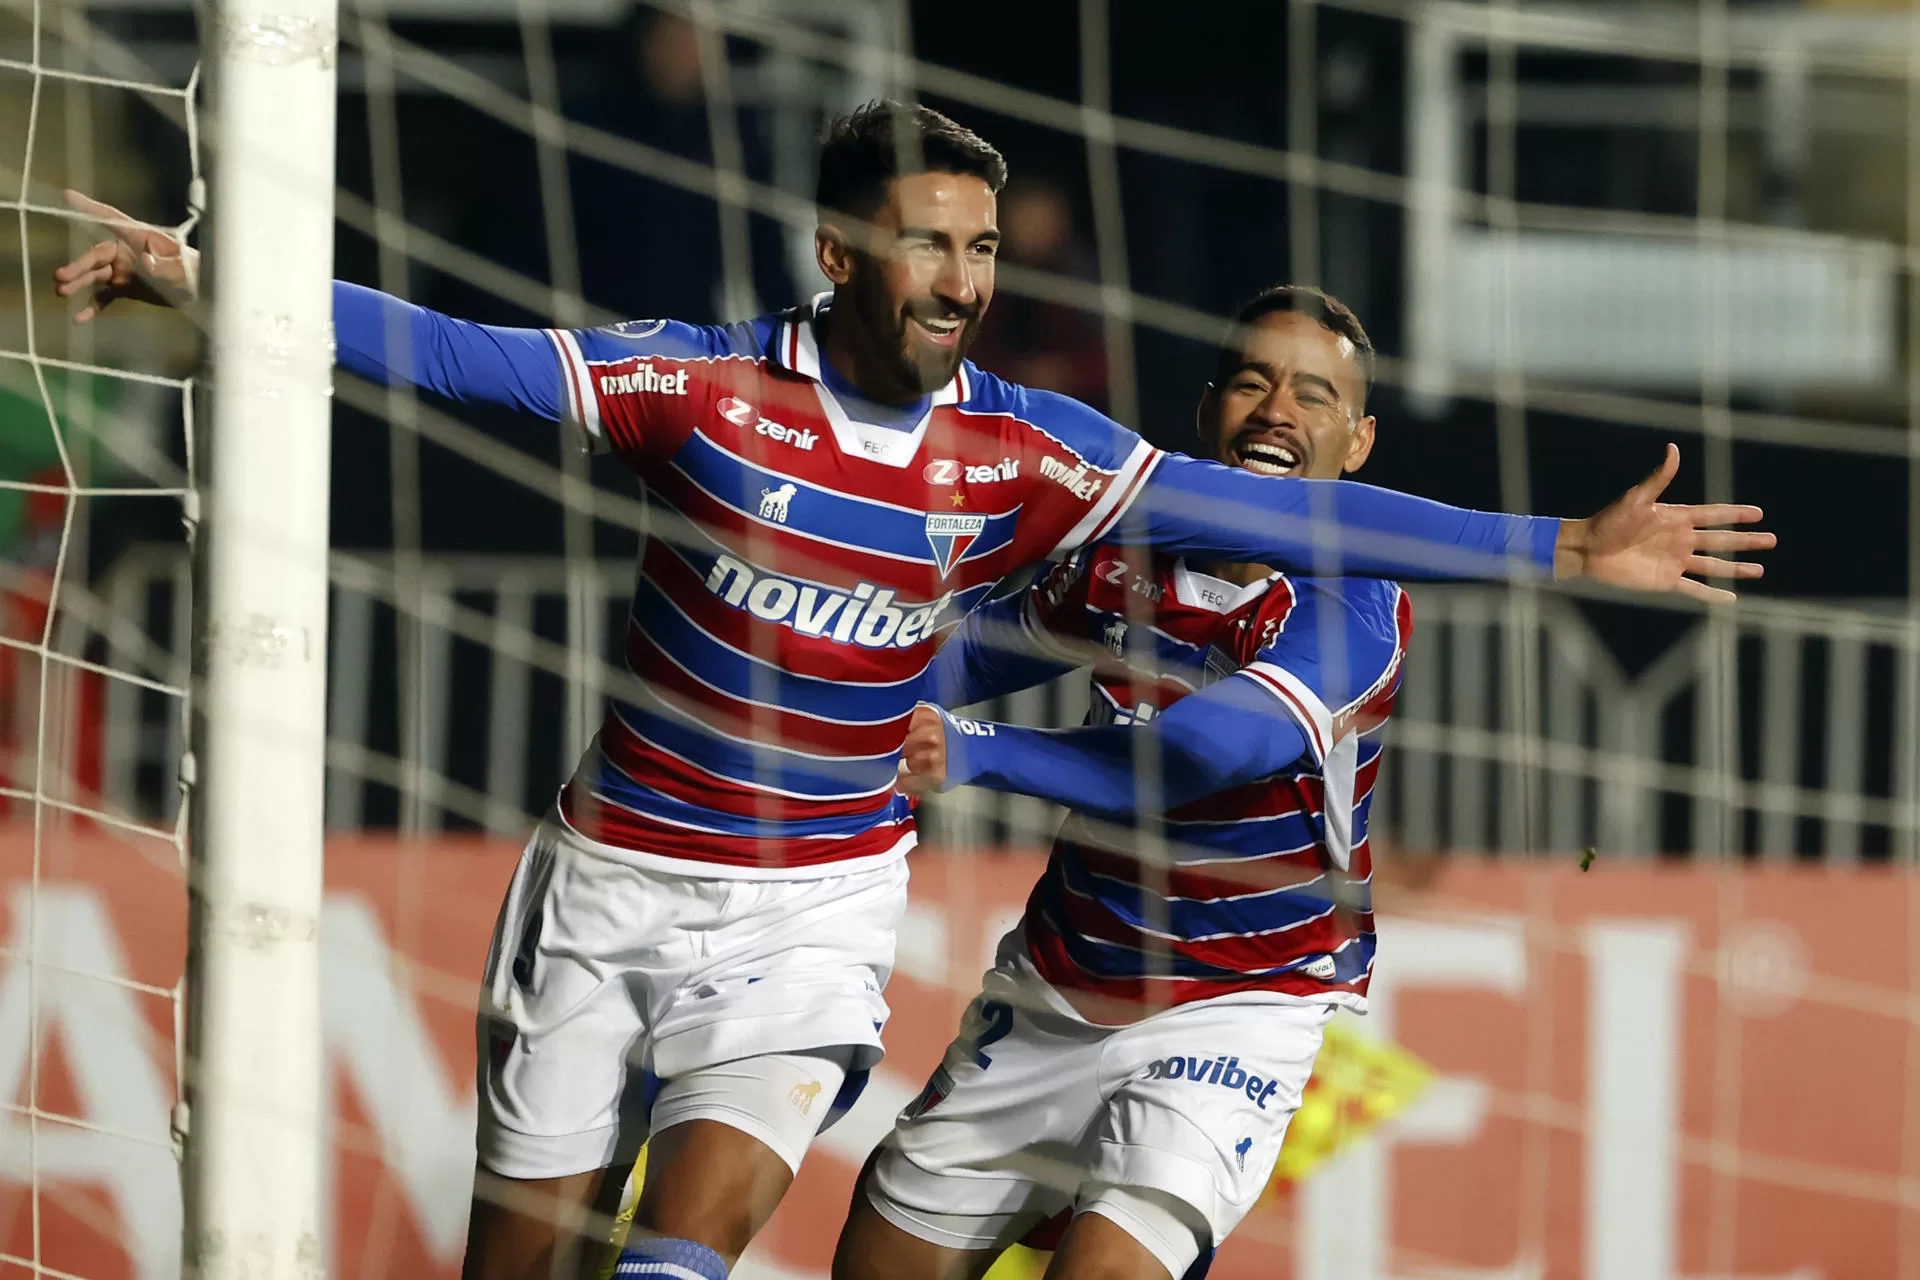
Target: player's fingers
<point>1701,591</point>
<point>1733,540</point>
<point>95,263</point>
<point>1656,483</point>
<point>1708,513</point>
<point>94,307</point>
<point>1714,566</point>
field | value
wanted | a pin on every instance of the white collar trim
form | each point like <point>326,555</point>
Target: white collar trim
<point>799,349</point>
<point>1202,590</point>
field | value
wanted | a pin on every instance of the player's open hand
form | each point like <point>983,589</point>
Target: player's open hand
<point>1643,543</point>
<point>923,761</point>
<point>141,261</point>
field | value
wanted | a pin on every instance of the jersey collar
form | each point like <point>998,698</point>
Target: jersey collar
<point>1216,595</point>
<point>797,348</point>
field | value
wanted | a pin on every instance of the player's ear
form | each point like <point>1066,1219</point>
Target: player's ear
<point>832,251</point>
<point>1360,445</point>
<point>1206,410</point>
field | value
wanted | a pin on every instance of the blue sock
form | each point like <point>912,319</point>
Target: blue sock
<point>666,1259</point>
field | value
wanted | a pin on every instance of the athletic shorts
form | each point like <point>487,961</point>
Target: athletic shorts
<point>1034,1111</point>
<point>606,980</point>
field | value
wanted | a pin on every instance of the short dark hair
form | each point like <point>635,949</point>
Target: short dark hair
<point>1332,314</point>
<point>866,149</point>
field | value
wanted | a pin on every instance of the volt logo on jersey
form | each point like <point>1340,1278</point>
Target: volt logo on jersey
<point>1224,1073</point>
<point>950,534</point>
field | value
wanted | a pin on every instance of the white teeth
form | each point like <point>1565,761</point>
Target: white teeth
<point>940,326</point>
<point>1268,459</point>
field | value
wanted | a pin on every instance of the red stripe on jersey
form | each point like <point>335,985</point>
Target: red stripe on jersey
<point>755,721</point>
<point>1228,879</point>
<point>1049,955</point>
<point>623,828</point>
<point>671,776</point>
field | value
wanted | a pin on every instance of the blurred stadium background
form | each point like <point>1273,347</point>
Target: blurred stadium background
<point>1576,230</point>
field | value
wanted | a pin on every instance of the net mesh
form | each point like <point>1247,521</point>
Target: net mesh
<point>1605,1062</point>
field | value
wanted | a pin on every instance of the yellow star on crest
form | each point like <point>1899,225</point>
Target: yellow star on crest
<point>959,499</point>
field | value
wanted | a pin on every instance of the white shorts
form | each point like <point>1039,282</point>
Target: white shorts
<point>1035,1110</point>
<point>606,980</point>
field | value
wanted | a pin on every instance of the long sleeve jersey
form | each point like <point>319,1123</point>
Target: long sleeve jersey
<point>802,565</point>
<point>1245,715</point>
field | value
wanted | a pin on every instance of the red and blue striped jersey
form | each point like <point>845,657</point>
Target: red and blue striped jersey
<point>801,565</point>
<point>1266,886</point>
<point>800,569</point>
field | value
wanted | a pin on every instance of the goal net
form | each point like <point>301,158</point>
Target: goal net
<point>1575,232</point>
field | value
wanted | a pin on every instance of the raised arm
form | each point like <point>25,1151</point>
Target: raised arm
<point>1332,528</point>
<point>386,340</point>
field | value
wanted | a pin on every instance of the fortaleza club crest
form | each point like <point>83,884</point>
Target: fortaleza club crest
<point>950,534</point>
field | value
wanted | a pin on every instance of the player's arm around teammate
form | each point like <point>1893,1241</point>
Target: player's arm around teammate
<point>953,1184</point>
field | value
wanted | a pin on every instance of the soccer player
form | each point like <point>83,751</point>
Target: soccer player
<point>695,943</point>
<point>1149,1026</point>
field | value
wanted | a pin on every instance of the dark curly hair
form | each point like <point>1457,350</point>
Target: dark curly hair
<point>868,148</point>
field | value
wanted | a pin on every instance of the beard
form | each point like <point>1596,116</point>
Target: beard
<point>918,367</point>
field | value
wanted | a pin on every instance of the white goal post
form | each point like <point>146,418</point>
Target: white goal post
<point>253,1066</point>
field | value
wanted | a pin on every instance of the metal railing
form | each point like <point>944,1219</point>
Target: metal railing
<point>1773,731</point>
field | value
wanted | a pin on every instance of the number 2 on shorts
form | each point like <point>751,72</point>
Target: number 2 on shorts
<point>998,1015</point>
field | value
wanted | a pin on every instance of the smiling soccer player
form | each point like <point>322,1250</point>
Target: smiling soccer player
<point>702,928</point>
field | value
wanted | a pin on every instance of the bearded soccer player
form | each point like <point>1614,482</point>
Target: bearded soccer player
<point>695,943</point>
<point>1137,1052</point>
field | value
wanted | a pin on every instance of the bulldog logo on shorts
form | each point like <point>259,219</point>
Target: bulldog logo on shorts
<point>802,1096</point>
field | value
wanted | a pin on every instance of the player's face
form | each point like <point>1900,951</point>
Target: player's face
<point>919,282</point>
<point>1293,405</point>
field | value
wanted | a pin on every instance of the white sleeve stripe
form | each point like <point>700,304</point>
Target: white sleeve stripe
<point>585,405</point>
<point>1121,491</point>
<point>1301,701</point>
<point>1339,758</point>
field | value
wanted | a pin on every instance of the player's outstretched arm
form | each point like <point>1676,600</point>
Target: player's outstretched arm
<point>376,335</point>
<point>989,654</point>
<point>1227,734</point>
<point>1340,528</point>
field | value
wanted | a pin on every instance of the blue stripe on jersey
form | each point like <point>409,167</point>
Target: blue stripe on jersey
<point>739,676</point>
<point>1116,960</point>
<point>864,526</point>
<point>1251,838</point>
<point>1185,918</point>
<point>619,788</point>
<point>761,764</point>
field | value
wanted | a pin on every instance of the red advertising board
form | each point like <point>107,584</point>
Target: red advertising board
<point>1642,1073</point>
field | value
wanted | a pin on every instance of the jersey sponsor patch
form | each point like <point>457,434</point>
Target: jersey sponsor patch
<point>1220,1072</point>
<point>1074,479</point>
<point>950,534</point>
<point>866,616</point>
<point>645,379</point>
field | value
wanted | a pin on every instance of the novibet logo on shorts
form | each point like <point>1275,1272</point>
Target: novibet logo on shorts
<point>1225,1073</point>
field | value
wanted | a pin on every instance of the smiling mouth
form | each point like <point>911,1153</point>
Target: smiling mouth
<point>943,330</point>
<point>1266,459</point>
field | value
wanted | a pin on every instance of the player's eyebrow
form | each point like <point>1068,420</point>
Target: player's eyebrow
<point>1316,380</point>
<point>1260,367</point>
